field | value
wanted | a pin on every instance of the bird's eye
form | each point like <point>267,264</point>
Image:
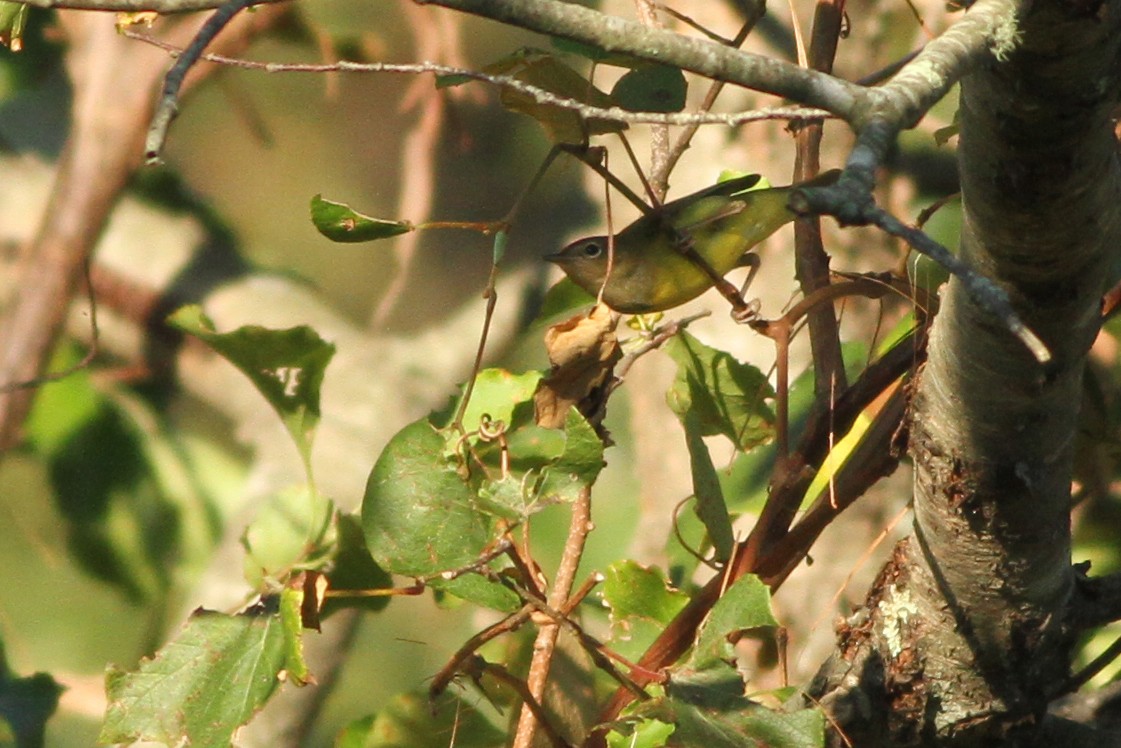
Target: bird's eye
<point>592,250</point>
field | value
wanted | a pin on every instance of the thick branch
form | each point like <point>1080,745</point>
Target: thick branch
<point>707,58</point>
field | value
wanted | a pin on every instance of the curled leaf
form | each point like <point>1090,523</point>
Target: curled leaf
<point>583,351</point>
<point>341,223</point>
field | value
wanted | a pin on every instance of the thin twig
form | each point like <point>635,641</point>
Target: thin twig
<point>545,643</point>
<point>539,95</point>
<point>168,105</point>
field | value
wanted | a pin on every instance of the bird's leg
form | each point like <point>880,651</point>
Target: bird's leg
<point>749,311</point>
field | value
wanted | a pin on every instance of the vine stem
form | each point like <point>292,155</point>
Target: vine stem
<point>545,643</point>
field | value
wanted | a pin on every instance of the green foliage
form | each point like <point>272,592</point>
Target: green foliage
<point>205,683</point>
<point>435,498</point>
<point>723,395</point>
<point>286,366</point>
<point>737,723</point>
<point>25,705</point>
<point>136,498</point>
<point>13,17</point>
<point>641,604</point>
<point>651,88</point>
<point>704,703</point>
<point>418,513</point>
<point>744,606</point>
<point>292,531</point>
<point>354,569</point>
<point>544,71</point>
<point>341,223</point>
<point>708,496</point>
<point>412,721</point>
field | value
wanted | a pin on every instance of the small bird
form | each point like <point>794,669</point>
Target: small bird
<point>650,272</point>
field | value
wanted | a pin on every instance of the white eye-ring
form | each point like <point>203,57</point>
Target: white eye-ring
<point>592,250</point>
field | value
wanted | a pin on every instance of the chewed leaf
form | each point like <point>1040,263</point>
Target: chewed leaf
<point>341,223</point>
<point>286,366</point>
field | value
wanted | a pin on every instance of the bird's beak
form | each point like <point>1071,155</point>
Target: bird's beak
<point>555,257</point>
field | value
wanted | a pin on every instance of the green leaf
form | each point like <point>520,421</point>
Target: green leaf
<point>647,733</point>
<point>725,396</point>
<point>743,606</point>
<point>631,590</point>
<point>564,297</point>
<point>737,724</point>
<point>25,706</point>
<point>340,223</point>
<point>497,394</point>
<point>354,569</point>
<point>709,498</point>
<point>121,525</point>
<point>291,623</point>
<point>419,515</point>
<point>641,604</point>
<point>451,80</point>
<point>577,468</point>
<point>542,70</point>
<point>651,88</point>
<point>200,687</point>
<point>291,531</point>
<point>479,590</point>
<point>286,366</point>
<point>411,721</point>
<point>13,17</point>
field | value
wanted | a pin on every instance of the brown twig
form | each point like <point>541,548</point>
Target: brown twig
<point>545,643</point>
<point>114,82</point>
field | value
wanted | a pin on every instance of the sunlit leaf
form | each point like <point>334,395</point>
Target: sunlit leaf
<point>13,17</point>
<point>341,223</point>
<point>496,395</point>
<point>292,625</point>
<point>419,514</point>
<point>647,733</point>
<point>577,467</point>
<point>724,395</point>
<point>735,723</point>
<point>200,687</point>
<point>743,606</point>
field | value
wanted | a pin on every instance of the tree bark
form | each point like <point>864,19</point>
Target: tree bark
<point>968,631</point>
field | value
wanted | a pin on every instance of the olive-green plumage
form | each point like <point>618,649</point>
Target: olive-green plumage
<point>650,274</point>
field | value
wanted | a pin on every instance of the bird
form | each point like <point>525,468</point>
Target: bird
<point>650,267</point>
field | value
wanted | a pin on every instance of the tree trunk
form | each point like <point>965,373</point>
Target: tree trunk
<point>968,630</point>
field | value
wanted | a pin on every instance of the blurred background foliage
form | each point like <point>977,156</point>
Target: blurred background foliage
<point>110,511</point>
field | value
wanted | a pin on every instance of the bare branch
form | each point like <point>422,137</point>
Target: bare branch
<point>135,6</point>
